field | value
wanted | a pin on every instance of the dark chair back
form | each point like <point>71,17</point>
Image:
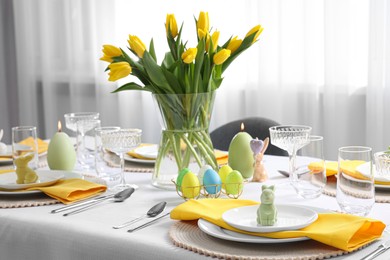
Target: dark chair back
<point>255,126</point>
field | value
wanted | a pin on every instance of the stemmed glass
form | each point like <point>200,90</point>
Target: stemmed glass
<point>71,120</point>
<point>290,138</point>
<point>121,141</point>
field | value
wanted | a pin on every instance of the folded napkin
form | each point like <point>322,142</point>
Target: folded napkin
<point>71,190</point>
<point>6,170</point>
<point>343,231</point>
<point>42,147</point>
<point>349,168</point>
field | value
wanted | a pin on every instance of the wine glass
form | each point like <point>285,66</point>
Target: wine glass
<point>290,138</point>
<point>71,120</point>
<point>121,141</point>
<point>311,170</point>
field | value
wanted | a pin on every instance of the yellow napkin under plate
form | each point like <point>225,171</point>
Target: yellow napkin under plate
<point>6,170</point>
<point>349,168</point>
<point>71,190</point>
<point>343,231</point>
<point>42,148</point>
<point>132,153</point>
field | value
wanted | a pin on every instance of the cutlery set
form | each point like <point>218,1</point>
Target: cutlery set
<point>118,197</point>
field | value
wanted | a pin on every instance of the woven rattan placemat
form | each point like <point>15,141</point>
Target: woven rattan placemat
<point>381,195</point>
<point>187,235</point>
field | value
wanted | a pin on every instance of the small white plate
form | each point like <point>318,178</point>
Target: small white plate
<point>147,151</point>
<point>290,217</point>
<point>364,170</point>
<point>67,175</point>
<point>45,178</point>
<point>216,231</point>
<point>136,160</point>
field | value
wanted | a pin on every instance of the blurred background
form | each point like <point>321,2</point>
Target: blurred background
<point>323,63</point>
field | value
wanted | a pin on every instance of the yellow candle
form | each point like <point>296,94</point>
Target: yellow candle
<point>240,154</point>
<point>61,154</point>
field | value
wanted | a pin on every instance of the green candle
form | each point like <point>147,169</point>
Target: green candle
<point>61,154</point>
<point>240,154</point>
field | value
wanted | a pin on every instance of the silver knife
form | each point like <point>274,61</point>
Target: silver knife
<point>118,197</point>
<point>381,248</point>
<point>82,203</point>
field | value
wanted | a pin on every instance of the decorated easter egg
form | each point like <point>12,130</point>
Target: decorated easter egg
<point>180,176</point>
<point>202,170</point>
<point>212,182</point>
<point>224,171</point>
<point>240,154</point>
<point>190,185</point>
<point>234,183</point>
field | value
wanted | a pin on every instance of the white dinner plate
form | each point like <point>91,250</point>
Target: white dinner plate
<point>216,231</point>
<point>290,217</point>
<point>45,178</point>
<point>66,174</point>
<point>147,151</point>
<point>9,153</point>
<point>137,160</point>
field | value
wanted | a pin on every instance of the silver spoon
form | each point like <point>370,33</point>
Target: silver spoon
<point>152,212</point>
<point>118,197</point>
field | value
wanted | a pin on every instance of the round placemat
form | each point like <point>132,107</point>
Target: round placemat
<point>187,235</point>
<point>35,199</point>
<point>381,195</point>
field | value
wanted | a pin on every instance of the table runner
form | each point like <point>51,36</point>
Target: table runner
<point>187,235</point>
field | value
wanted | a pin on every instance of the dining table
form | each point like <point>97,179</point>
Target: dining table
<point>34,233</point>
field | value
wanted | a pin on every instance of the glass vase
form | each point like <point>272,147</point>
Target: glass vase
<point>185,139</point>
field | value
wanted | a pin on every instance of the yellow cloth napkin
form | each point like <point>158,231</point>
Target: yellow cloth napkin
<point>132,153</point>
<point>42,147</point>
<point>349,168</point>
<point>6,170</point>
<point>71,190</point>
<point>343,231</point>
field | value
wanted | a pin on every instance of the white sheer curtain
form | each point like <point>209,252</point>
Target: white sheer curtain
<point>319,63</point>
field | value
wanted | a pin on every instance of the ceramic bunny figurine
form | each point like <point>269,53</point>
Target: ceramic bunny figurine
<point>24,173</point>
<point>260,174</point>
<point>267,213</point>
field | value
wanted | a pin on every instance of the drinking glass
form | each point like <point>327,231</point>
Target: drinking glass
<point>121,141</point>
<point>355,192</point>
<point>290,138</point>
<point>29,134</point>
<point>310,171</point>
<point>102,155</point>
<point>86,145</point>
<point>382,165</point>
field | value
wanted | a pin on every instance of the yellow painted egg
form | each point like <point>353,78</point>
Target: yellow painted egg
<point>223,173</point>
<point>234,183</point>
<point>190,186</point>
<point>180,177</point>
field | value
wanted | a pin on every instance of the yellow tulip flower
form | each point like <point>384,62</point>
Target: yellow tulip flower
<point>203,22</point>
<point>257,29</point>
<point>234,44</point>
<point>189,55</point>
<point>118,70</point>
<point>110,51</point>
<point>221,56</point>
<point>214,38</point>
<point>202,34</point>
<point>137,45</point>
<point>171,24</point>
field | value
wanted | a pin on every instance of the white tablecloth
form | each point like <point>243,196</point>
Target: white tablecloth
<point>34,233</point>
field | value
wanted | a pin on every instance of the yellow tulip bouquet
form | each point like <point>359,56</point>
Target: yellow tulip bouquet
<point>183,84</point>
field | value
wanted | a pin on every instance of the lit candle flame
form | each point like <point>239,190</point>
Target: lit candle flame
<point>59,126</point>
<point>242,127</point>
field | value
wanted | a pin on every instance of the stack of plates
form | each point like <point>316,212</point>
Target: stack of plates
<point>146,153</point>
<point>290,217</point>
